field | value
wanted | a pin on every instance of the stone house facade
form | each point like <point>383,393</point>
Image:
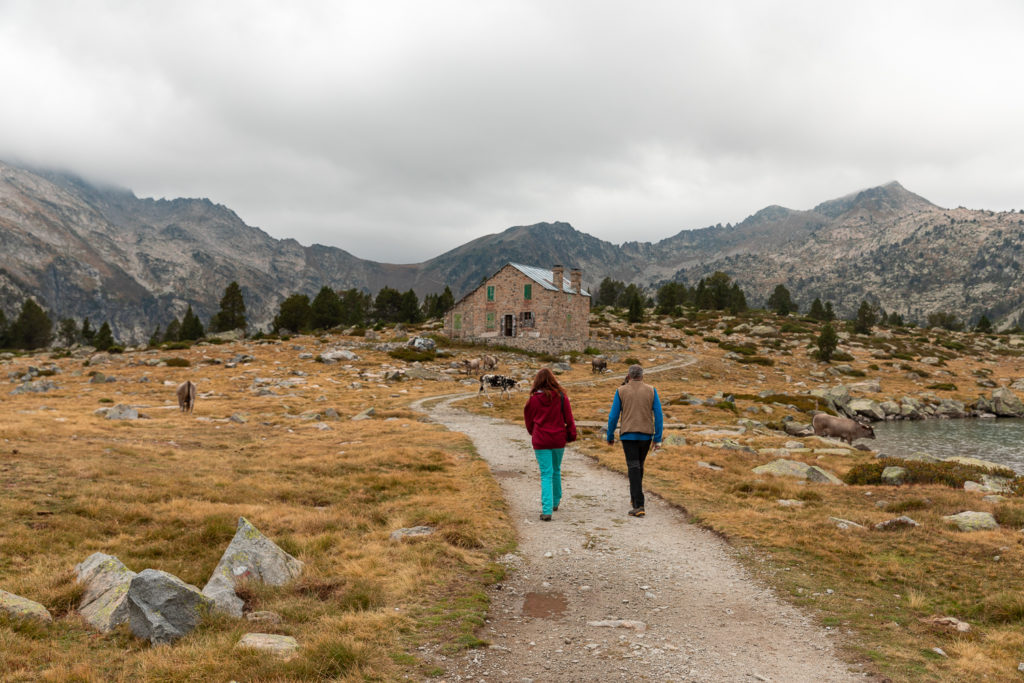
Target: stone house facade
<point>527,307</point>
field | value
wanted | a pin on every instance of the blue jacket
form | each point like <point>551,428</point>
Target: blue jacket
<point>613,421</point>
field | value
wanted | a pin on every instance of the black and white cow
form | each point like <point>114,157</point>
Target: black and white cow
<point>505,384</point>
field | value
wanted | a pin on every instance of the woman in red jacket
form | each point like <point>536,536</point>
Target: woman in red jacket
<point>549,421</point>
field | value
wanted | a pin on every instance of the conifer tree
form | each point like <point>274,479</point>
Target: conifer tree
<point>817,311</point>
<point>827,342</point>
<point>866,318</point>
<point>68,332</point>
<point>173,331</point>
<point>984,325</point>
<point>781,302</point>
<point>231,315</point>
<point>830,315</point>
<point>191,327</point>
<point>293,314</point>
<point>32,329</point>
<point>154,339</point>
<point>104,337</point>
<point>87,332</point>
<point>325,311</point>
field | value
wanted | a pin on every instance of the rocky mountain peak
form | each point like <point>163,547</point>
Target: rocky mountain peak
<point>891,198</point>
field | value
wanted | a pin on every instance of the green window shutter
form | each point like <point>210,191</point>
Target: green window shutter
<point>490,292</point>
<point>527,291</point>
<point>490,320</point>
<point>458,321</point>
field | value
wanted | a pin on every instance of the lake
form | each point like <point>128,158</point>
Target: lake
<point>1000,440</point>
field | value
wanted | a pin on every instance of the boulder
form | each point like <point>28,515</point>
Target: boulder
<point>894,476</point>
<point>251,556</point>
<point>365,415</point>
<point>17,607</point>
<point>561,367</point>
<point>339,354</point>
<point>284,647</point>
<point>764,331</point>
<point>929,360</point>
<point>949,407</point>
<point>902,522</point>
<point>794,468</point>
<point>104,603</point>
<point>973,521</point>
<point>163,608</point>
<point>422,344</point>
<point>865,407</point>
<point>122,412</point>
<point>867,386</point>
<point>890,408</point>
<point>794,428</point>
<point>38,386</point>
<point>1006,404</point>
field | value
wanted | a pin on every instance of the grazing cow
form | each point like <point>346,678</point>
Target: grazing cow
<point>472,365</point>
<point>186,396</point>
<point>598,364</point>
<point>506,384</point>
<point>488,362</point>
<point>844,428</point>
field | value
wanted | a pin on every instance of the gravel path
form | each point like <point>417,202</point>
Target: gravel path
<point>676,605</point>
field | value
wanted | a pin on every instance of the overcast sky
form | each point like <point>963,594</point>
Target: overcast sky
<point>399,130</point>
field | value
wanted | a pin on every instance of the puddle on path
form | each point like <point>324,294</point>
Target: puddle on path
<point>545,605</point>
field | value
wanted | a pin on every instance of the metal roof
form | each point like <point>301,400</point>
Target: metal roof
<point>545,278</point>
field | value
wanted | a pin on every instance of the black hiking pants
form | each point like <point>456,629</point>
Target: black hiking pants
<point>636,453</point>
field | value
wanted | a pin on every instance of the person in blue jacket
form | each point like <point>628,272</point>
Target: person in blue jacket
<point>638,406</point>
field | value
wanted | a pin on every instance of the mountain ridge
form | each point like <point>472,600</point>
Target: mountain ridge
<point>101,252</point>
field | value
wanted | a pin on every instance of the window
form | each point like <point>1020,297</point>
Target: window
<point>526,319</point>
<point>457,321</point>
<point>527,291</point>
<point>490,292</point>
<point>490,320</point>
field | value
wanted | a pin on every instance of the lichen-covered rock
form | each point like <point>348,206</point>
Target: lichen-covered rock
<point>163,608</point>
<point>867,408</point>
<point>17,607</point>
<point>894,476</point>
<point>284,647</point>
<point>122,412</point>
<point>797,469</point>
<point>1006,404</point>
<point>251,556</point>
<point>105,601</point>
<point>973,521</point>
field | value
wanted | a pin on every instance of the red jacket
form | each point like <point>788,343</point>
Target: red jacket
<point>544,421</point>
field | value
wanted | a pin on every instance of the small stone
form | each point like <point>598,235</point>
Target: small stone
<point>902,522</point>
<point>630,624</point>
<point>411,532</point>
<point>284,647</point>
<point>18,607</point>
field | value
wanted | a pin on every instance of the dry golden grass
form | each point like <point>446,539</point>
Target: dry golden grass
<point>166,492</point>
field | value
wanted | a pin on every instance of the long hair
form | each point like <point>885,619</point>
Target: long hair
<point>545,381</point>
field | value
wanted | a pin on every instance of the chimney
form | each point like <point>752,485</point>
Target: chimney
<point>557,275</point>
<point>575,277</point>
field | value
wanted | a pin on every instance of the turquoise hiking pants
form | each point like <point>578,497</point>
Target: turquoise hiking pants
<point>550,462</point>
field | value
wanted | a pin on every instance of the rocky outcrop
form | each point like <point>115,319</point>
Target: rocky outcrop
<point>1005,403</point>
<point>104,603</point>
<point>973,521</point>
<point>250,556</point>
<point>162,608</point>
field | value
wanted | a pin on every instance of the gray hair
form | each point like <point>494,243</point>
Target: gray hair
<point>635,372</point>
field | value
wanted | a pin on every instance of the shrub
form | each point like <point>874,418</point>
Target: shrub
<point>591,351</point>
<point>952,474</point>
<point>177,362</point>
<point>712,340</point>
<point>790,326</point>
<point>907,505</point>
<point>1009,515</point>
<point>631,361</point>
<point>942,386</point>
<point>756,360</point>
<point>842,355</point>
<point>411,355</point>
<point>742,349</point>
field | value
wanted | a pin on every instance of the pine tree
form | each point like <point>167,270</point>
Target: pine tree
<point>325,311</point>
<point>355,307</point>
<point>635,305</point>
<point>191,327</point>
<point>293,314</point>
<point>68,332</point>
<point>827,342</point>
<point>387,306</point>
<point>87,332</point>
<point>781,302</point>
<point>866,318</point>
<point>409,309</point>
<point>32,329</point>
<point>737,299</point>
<point>830,315</point>
<point>231,315</point>
<point>104,338</point>
<point>984,325</point>
<point>154,339</point>
<point>5,329</point>
<point>173,331</point>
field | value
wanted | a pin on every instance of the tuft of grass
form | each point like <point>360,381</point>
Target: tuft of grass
<point>177,362</point>
<point>952,474</point>
<point>901,506</point>
<point>942,386</point>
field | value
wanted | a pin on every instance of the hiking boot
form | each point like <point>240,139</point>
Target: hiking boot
<point>555,508</point>
<point>637,512</point>
<point>545,518</point>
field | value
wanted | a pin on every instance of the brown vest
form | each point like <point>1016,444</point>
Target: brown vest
<point>637,401</point>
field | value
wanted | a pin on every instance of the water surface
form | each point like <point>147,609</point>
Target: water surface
<point>1000,440</point>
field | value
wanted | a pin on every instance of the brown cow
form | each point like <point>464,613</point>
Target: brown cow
<point>598,364</point>
<point>841,427</point>
<point>471,366</point>
<point>186,396</point>
<point>488,362</point>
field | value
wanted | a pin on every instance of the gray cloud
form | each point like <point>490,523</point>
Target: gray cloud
<point>399,130</point>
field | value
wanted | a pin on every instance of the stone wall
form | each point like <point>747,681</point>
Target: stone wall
<point>550,321</point>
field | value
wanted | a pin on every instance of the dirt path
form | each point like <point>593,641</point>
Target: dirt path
<point>704,618</point>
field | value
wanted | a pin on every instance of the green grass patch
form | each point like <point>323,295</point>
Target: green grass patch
<point>952,474</point>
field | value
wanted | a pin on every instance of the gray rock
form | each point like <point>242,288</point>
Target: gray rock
<point>865,407</point>
<point>823,476</point>
<point>868,385</point>
<point>709,466</point>
<point>264,617</point>
<point>104,603</point>
<point>238,418</point>
<point>163,608</point>
<point>930,360</point>
<point>411,532</point>
<point>890,408</point>
<point>365,415</point>
<point>674,440</point>
<point>1006,404</point>
<point>764,331</point>
<point>250,556</point>
<point>973,521</point>
<point>845,523</point>
<point>561,367</point>
<point>949,407</point>
<point>39,386</point>
<point>339,354</point>
<point>17,607</point>
<point>793,468</point>
<point>284,647</point>
<point>122,412</point>
<point>894,476</point>
<point>902,522</point>
<point>795,428</point>
<point>422,344</point>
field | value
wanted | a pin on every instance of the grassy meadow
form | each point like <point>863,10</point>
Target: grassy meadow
<point>166,491</point>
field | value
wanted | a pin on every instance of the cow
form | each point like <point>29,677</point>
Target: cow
<point>472,365</point>
<point>488,362</point>
<point>506,384</point>
<point>841,427</point>
<point>186,396</point>
<point>598,364</point>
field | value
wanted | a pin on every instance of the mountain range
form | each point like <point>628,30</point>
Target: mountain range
<point>85,250</point>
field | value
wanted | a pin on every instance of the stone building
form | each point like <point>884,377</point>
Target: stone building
<point>527,307</point>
